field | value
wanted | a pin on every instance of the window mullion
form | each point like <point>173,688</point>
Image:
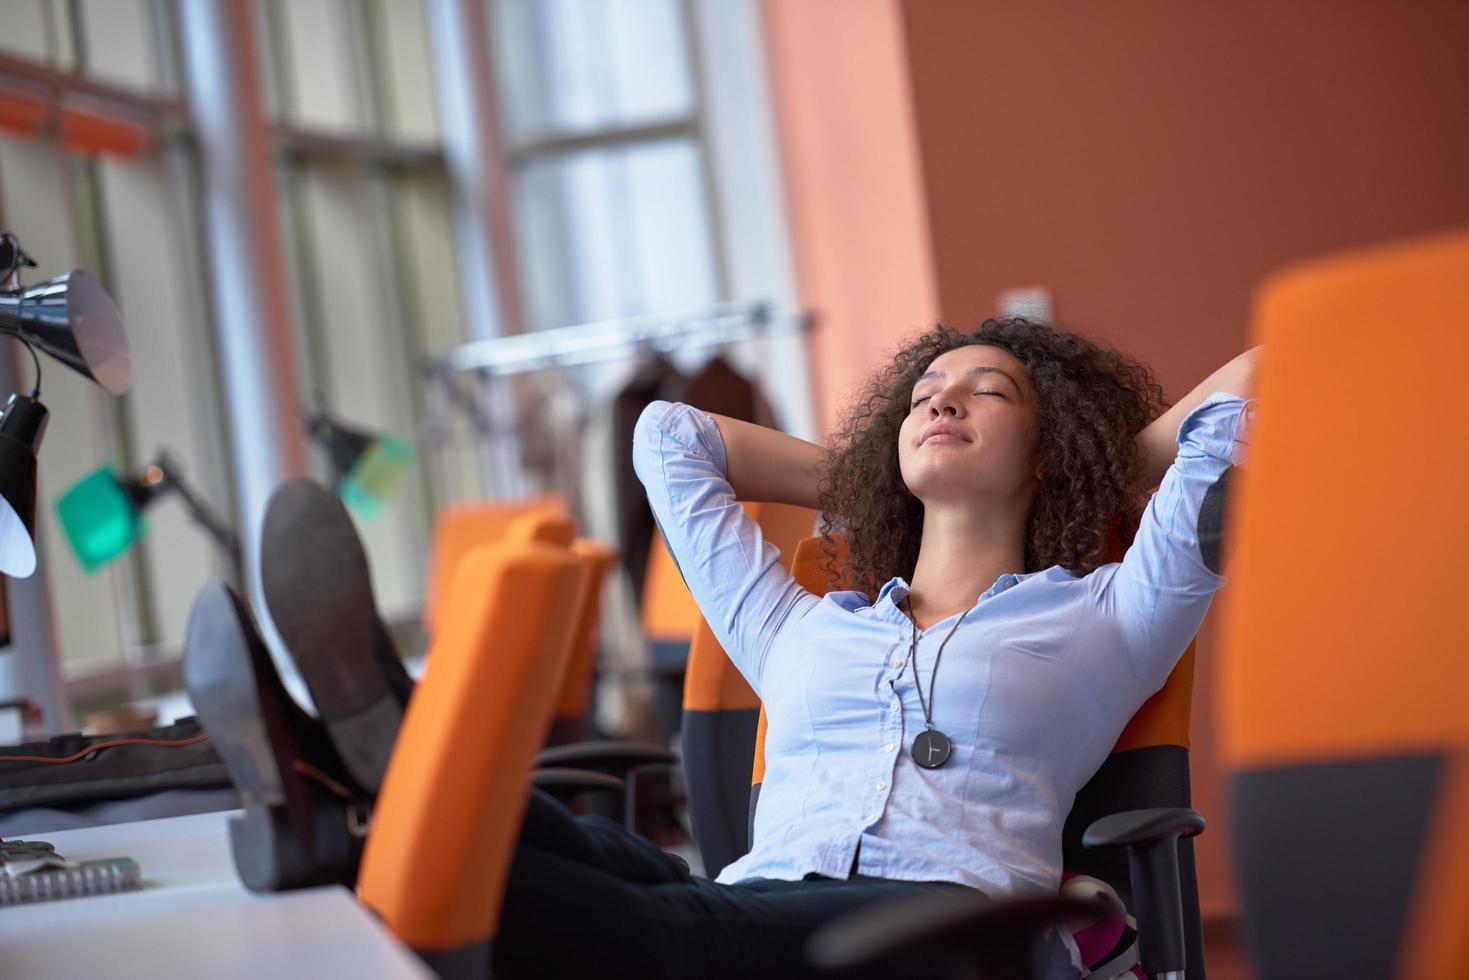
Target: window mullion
<point>706,156</point>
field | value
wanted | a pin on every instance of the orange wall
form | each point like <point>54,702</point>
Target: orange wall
<point>1148,163</point>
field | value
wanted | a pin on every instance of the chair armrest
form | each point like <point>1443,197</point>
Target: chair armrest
<point>1151,838</point>
<point>997,939</point>
<point>626,759</point>
<point>1139,827</point>
<point>608,756</point>
<point>564,784</point>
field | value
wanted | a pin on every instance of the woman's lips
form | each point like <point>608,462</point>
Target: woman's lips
<point>944,437</point>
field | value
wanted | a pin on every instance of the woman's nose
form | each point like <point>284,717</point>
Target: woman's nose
<point>946,403</point>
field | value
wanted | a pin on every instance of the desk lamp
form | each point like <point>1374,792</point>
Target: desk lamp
<point>367,469</point>
<point>102,512</point>
<point>72,318</point>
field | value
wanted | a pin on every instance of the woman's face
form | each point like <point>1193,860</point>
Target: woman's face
<point>971,429</point>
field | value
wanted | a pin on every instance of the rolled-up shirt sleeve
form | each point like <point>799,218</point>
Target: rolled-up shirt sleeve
<point>734,574</point>
<point>1162,588</point>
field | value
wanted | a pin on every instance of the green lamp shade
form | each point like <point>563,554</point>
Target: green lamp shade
<point>99,519</point>
<point>375,478</point>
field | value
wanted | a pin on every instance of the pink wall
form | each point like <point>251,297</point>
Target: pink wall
<point>1148,163</point>
<point>852,170</point>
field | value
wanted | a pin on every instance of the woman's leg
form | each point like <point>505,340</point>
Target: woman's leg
<point>586,898</point>
<point>596,842</point>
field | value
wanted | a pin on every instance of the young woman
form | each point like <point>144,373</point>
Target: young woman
<point>935,736</point>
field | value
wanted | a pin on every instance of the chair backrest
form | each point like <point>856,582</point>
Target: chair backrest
<point>1344,672</point>
<point>544,526</point>
<point>460,528</point>
<point>574,700</point>
<point>668,611</point>
<point>720,712</point>
<point>1148,767</point>
<point>445,824</point>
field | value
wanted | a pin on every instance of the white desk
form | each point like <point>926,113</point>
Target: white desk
<point>192,917</point>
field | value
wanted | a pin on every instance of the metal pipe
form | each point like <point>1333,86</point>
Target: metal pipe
<point>251,300</point>
<point>612,339</point>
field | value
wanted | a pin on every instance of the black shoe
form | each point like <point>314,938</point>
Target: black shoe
<point>303,823</point>
<point>319,592</point>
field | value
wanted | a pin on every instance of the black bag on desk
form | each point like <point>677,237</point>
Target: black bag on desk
<point>75,769</point>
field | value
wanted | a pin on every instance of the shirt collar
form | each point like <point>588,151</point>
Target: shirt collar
<point>896,590</point>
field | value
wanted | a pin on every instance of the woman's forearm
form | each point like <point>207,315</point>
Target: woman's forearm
<point>1158,440</point>
<point>769,466</point>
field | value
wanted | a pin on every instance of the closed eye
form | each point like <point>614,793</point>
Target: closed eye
<point>982,391</point>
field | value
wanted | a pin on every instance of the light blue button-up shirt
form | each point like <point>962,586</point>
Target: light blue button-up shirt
<point>1036,684</point>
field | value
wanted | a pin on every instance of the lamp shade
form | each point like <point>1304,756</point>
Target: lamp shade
<point>73,319</point>
<point>100,518</point>
<point>375,479</point>
<point>22,425</point>
<point>367,469</point>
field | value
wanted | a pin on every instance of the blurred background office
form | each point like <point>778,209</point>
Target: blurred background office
<point>589,161</point>
<point>380,182</point>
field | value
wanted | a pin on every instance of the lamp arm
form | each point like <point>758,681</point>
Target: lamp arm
<point>200,512</point>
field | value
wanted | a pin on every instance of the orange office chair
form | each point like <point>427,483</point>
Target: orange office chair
<point>446,821</point>
<point>573,704</point>
<point>567,769</point>
<point>1342,695</point>
<point>545,527</point>
<point>669,618</point>
<point>461,528</point>
<point>669,610</point>
<point>1147,771</point>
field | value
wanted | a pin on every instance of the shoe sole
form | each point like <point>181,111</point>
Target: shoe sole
<point>319,591</point>
<point>226,669</point>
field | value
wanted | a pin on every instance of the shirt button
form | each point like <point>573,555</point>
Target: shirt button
<point>896,705</point>
<point>880,786</point>
<point>888,747</point>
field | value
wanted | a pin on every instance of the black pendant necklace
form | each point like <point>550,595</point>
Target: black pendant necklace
<point>932,747</point>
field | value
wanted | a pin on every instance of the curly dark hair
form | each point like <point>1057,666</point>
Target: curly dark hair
<point>1092,401</point>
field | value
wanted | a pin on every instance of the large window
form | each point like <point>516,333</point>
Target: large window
<point>614,213</point>
<point>640,144</point>
<point>635,150</point>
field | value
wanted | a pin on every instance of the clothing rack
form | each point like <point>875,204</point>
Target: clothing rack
<point>607,340</point>
<point>462,381</point>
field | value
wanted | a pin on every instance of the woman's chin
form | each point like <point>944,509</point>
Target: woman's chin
<point>948,491</point>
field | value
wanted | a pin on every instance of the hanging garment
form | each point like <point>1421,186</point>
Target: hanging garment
<point>720,389</point>
<point>649,383</point>
<point>550,421</point>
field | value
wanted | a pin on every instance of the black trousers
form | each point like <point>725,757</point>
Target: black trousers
<point>586,898</point>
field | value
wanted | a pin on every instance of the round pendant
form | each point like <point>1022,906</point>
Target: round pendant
<point>931,748</point>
